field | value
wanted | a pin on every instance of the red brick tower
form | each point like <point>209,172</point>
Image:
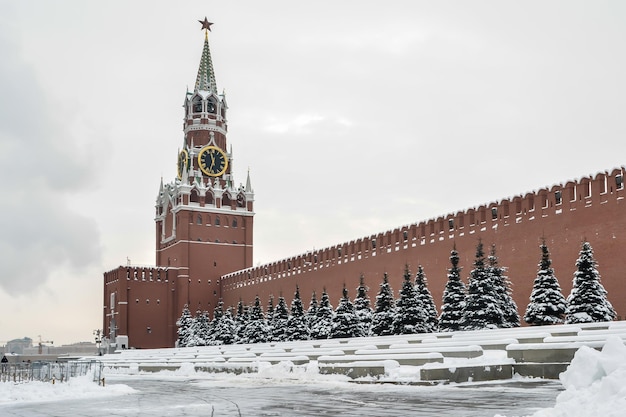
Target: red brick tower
<point>204,227</point>
<point>204,223</point>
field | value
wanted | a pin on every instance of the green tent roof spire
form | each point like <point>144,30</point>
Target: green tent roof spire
<point>205,81</point>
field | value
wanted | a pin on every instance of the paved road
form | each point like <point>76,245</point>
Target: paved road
<point>255,398</point>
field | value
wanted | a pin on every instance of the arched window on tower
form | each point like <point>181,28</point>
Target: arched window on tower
<point>196,104</point>
<point>211,106</point>
<point>234,222</point>
<point>217,221</point>
<point>208,199</point>
<point>194,196</point>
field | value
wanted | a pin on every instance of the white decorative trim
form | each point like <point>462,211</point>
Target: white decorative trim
<point>168,239</point>
<point>195,127</point>
<point>215,243</point>
<point>213,209</point>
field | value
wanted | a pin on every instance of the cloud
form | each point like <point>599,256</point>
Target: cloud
<point>40,169</point>
<point>299,125</point>
<point>305,124</point>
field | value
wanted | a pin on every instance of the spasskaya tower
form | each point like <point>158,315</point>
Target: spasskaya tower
<point>204,222</point>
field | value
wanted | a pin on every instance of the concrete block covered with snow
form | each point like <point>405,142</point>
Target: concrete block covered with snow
<point>359,369</point>
<point>467,373</point>
<point>412,359</point>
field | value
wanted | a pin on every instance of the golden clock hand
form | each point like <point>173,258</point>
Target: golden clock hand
<point>212,161</point>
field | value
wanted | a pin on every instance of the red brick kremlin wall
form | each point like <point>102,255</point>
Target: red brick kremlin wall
<point>144,305</point>
<point>590,208</point>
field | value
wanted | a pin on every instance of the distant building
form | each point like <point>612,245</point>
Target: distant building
<point>17,346</point>
<point>74,349</point>
<point>204,237</point>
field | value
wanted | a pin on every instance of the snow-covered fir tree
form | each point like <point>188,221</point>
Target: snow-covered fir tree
<point>202,328</point>
<point>482,306</point>
<point>345,322</point>
<point>278,322</point>
<point>454,294</point>
<point>502,285</point>
<point>320,328</point>
<point>297,325</point>
<point>270,308</point>
<point>184,324</point>
<point>427,301</point>
<point>241,320</point>
<point>311,313</point>
<point>257,330</point>
<point>218,312</point>
<point>198,334</point>
<point>547,303</point>
<point>410,315</point>
<point>587,301</point>
<point>363,309</point>
<point>384,312</point>
<point>224,332</point>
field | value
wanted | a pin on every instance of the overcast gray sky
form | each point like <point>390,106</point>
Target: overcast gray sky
<point>354,117</point>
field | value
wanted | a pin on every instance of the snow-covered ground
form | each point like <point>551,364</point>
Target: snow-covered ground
<point>595,384</point>
<point>36,391</point>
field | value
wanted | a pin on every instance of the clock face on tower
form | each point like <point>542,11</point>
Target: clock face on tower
<point>183,162</point>
<point>212,161</point>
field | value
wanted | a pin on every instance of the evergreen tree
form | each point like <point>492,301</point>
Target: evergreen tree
<point>257,330</point>
<point>184,324</point>
<point>297,325</point>
<point>547,304</point>
<point>588,302</point>
<point>224,332</point>
<point>427,301</point>
<point>218,312</point>
<point>323,323</point>
<point>311,313</point>
<point>482,306</point>
<point>241,320</point>
<point>363,309</point>
<point>453,301</point>
<point>279,321</point>
<point>199,331</point>
<point>202,329</point>
<point>384,313</point>
<point>410,315</point>
<point>345,322</point>
<point>502,285</point>
<point>270,307</point>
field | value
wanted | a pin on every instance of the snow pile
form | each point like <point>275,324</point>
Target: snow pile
<point>78,387</point>
<point>595,383</point>
<point>186,369</point>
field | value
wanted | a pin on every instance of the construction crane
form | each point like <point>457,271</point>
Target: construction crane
<point>41,342</point>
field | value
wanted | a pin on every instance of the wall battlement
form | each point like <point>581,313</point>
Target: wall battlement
<point>537,206</point>
<point>138,273</point>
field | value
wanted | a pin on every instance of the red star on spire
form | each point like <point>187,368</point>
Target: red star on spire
<point>205,24</point>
